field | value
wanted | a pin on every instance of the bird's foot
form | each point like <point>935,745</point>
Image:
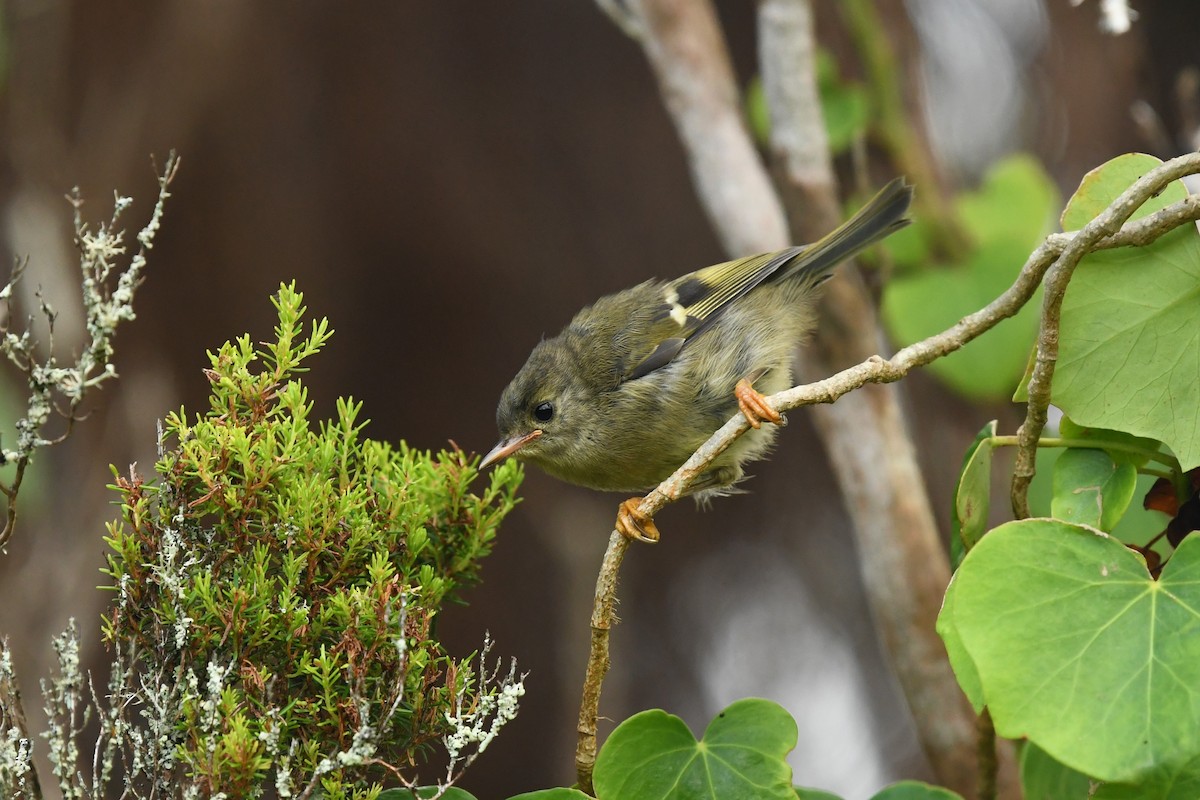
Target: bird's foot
<point>754,406</point>
<point>634,524</point>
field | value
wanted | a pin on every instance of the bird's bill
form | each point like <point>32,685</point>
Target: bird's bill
<point>507,447</point>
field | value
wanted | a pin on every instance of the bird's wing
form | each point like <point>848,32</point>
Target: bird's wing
<point>694,302</point>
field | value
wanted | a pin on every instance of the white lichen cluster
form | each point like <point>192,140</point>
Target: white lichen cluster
<point>67,711</point>
<point>16,749</point>
<point>497,705</point>
<point>173,571</point>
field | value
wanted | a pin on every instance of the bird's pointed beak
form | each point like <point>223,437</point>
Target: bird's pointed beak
<point>507,447</point>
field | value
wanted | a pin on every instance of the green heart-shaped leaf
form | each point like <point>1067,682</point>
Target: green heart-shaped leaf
<point>653,756</point>
<point>553,794</point>
<point>1078,649</point>
<point>960,661</point>
<point>1091,489</point>
<point>1006,218</point>
<point>1129,351</point>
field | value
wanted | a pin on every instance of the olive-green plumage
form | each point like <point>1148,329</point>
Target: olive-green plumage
<point>639,380</point>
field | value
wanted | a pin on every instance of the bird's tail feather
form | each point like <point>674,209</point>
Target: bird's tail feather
<point>883,215</point>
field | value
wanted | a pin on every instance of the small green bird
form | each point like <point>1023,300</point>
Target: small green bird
<point>638,381</point>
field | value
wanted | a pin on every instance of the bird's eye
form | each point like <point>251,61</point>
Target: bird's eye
<point>543,412</point>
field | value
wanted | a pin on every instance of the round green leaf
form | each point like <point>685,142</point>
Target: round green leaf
<point>1043,778</point>
<point>553,794</point>
<point>960,661</point>
<point>1129,352</point>
<point>1079,650</point>
<point>653,756</point>
<point>1138,525</point>
<point>915,790</point>
<point>1091,489</point>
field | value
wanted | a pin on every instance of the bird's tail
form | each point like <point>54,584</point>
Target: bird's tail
<point>883,215</point>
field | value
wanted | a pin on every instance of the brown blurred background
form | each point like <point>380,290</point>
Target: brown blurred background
<point>448,181</point>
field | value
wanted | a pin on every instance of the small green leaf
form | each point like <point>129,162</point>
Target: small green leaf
<point>803,793</point>
<point>653,756</point>
<point>1137,526</point>
<point>915,790</point>
<point>960,661</point>
<point>553,794</point>
<point>1091,489</point>
<point>1080,650</point>
<point>1043,778</point>
<point>972,496</point>
<point>1129,351</point>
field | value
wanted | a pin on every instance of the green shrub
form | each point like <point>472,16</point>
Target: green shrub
<point>277,586</point>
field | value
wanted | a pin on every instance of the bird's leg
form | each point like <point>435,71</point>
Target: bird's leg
<point>754,406</point>
<point>634,524</point>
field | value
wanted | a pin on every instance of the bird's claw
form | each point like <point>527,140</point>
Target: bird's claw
<point>754,406</point>
<point>633,524</point>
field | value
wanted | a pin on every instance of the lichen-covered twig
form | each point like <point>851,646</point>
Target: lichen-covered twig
<point>57,388</point>
<point>16,745</point>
